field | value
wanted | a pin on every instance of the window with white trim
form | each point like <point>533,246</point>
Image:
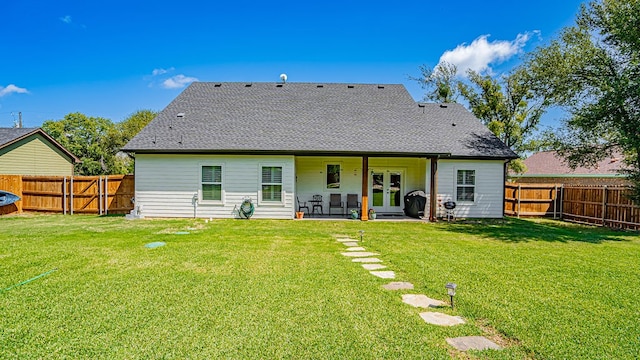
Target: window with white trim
<point>466,186</point>
<point>272,183</point>
<point>211,183</point>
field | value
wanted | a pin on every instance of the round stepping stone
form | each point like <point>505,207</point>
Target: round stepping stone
<point>367,260</point>
<point>356,248</point>
<point>350,243</point>
<point>472,343</point>
<point>373,266</point>
<point>384,274</point>
<point>422,301</point>
<point>398,285</point>
<point>441,319</point>
<point>359,254</point>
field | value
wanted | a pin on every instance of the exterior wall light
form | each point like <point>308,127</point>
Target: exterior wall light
<point>451,290</point>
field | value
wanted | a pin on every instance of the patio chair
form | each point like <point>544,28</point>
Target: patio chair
<point>352,202</point>
<point>302,205</point>
<point>335,202</point>
<point>316,203</point>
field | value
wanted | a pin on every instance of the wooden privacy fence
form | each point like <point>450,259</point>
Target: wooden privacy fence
<point>100,195</point>
<point>607,206</point>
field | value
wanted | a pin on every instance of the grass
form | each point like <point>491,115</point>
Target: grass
<point>281,289</point>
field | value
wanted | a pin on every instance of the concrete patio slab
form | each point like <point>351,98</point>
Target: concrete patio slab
<point>367,260</point>
<point>441,319</point>
<point>421,301</point>
<point>472,343</point>
<point>359,254</point>
<point>384,274</point>
<point>350,243</point>
<point>398,285</point>
<point>373,266</point>
<point>356,248</point>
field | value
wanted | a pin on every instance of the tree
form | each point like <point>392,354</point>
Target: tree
<point>85,137</point>
<point>508,108</point>
<point>592,70</point>
<point>122,133</point>
<point>440,82</point>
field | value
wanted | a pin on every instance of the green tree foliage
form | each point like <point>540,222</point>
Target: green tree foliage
<point>440,82</point>
<point>593,71</point>
<point>97,141</point>
<point>507,107</point>
<point>86,138</point>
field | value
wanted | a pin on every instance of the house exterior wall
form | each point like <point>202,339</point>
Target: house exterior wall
<point>488,192</point>
<point>34,155</point>
<point>168,185</point>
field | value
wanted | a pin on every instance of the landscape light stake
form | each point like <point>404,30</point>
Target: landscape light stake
<point>361,233</point>
<point>451,290</point>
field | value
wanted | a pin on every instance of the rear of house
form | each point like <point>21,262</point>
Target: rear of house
<point>218,144</point>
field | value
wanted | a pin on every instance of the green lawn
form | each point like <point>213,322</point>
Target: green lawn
<point>280,289</point>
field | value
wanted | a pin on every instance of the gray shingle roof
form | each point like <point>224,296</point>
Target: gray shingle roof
<point>301,118</point>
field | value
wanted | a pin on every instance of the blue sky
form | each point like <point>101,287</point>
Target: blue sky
<point>111,58</point>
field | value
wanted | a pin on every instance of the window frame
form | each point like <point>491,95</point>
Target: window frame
<point>261,183</point>
<point>201,200</point>
<point>466,186</point>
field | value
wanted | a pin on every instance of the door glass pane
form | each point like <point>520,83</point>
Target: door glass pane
<point>395,192</point>
<point>377,188</point>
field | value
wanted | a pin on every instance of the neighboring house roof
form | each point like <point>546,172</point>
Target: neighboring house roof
<point>310,118</point>
<point>550,164</point>
<point>10,136</point>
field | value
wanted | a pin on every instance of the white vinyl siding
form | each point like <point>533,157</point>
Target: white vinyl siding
<point>488,187</point>
<point>174,193</point>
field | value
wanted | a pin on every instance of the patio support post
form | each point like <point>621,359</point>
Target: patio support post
<point>433,190</point>
<point>364,212</point>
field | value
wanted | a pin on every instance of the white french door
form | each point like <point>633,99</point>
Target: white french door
<point>386,188</point>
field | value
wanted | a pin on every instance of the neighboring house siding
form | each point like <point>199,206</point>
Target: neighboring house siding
<point>166,185</point>
<point>34,156</point>
<point>489,184</point>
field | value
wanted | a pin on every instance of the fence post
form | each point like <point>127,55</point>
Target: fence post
<point>518,199</point>
<point>604,205</point>
<point>106,195</point>
<point>555,200</point>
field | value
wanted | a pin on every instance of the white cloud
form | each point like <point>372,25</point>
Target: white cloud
<point>12,89</point>
<point>161,71</point>
<point>66,19</point>
<point>178,81</point>
<point>481,53</point>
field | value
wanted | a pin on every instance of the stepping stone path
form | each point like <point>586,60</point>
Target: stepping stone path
<point>441,319</point>
<point>421,301</point>
<point>384,274</point>
<point>359,254</point>
<point>472,343</point>
<point>370,263</point>
<point>398,286</point>
<point>367,260</point>
<point>373,266</point>
<point>356,248</point>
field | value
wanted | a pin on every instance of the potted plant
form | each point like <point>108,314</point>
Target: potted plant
<point>372,214</point>
<point>354,214</point>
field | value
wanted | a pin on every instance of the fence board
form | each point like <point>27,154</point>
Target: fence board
<point>100,195</point>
